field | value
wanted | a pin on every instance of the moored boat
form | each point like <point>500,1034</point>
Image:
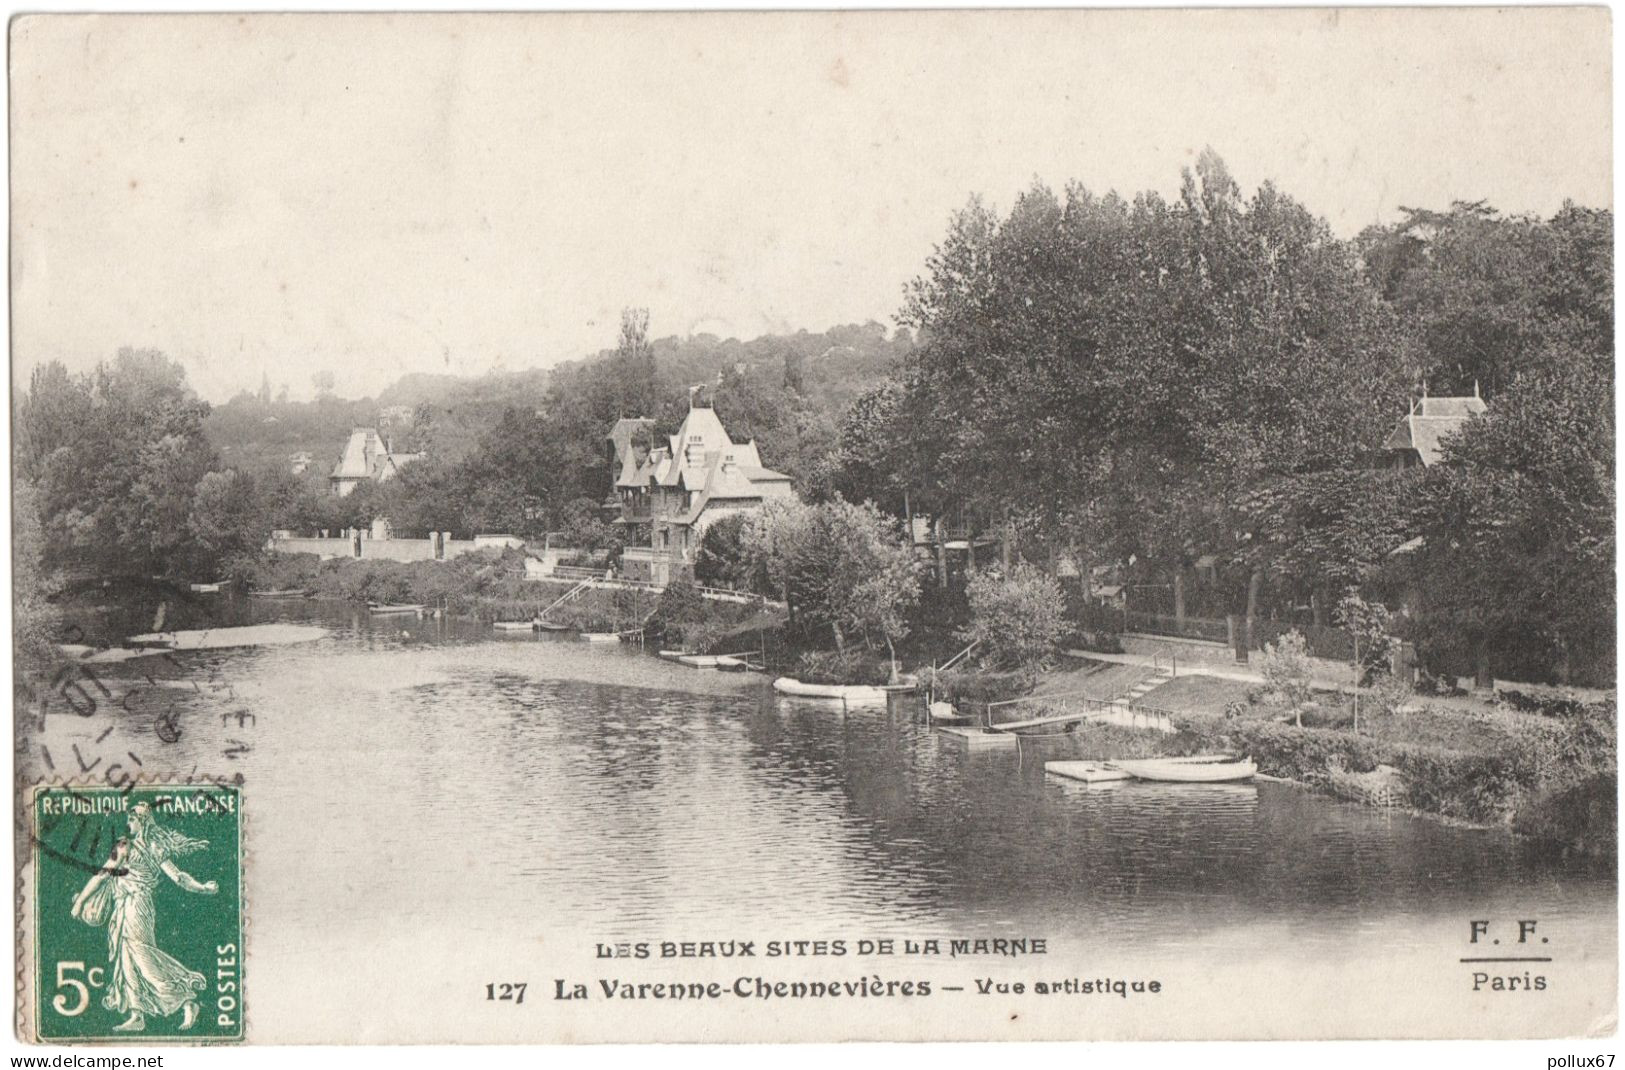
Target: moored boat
<point>600,637</point>
<point>285,592</point>
<point>728,663</point>
<point>380,608</point>
<point>513,625</point>
<point>789,685</point>
<point>206,588</point>
<point>1199,769</point>
<point>699,661</point>
<point>552,626</point>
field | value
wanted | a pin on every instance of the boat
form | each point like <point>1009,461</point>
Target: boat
<point>700,661</point>
<point>377,607</point>
<point>513,626</point>
<point>285,592</point>
<point>673,655</point>
<point>206,588</point>
<point>1199,769</point>
<point>732,664</point>
<point>1088,772</point>
<point>600,637</point>
<point>789,685</point>
<point>552,626</point>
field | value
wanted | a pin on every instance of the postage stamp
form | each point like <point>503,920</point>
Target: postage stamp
<point>136,913</point>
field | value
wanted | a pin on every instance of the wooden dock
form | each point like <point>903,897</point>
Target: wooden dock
<point>971,737</point>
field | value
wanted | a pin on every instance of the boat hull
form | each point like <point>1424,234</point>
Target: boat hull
<point>786,685</point>
<point>1174,771</point>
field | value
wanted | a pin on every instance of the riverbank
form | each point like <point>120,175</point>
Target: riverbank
<point>1546,775</point>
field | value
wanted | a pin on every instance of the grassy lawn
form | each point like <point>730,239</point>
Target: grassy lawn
<point>1198,694</point>
<point>1090,679</point>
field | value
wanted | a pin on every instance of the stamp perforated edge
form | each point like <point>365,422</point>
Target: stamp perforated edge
<point>25,1027</point>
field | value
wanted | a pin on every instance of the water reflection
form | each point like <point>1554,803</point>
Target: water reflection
<point>468,780</point>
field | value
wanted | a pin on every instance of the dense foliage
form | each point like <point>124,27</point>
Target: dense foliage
<point>1140,383</point>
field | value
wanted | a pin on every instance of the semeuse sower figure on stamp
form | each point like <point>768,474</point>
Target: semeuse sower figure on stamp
<point>145,980</point>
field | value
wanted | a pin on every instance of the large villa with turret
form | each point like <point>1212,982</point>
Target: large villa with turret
<point>681,486</point>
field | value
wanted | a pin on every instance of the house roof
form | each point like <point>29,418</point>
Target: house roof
<point>762,475</point>
<point>1430,420</point>
<point>701,458</point>
<point>367,456</point>
<point>627,427</point>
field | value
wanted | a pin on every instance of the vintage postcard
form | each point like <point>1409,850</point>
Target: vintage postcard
<point>866,526</point>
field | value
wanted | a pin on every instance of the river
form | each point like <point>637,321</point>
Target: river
<point>432,808</point>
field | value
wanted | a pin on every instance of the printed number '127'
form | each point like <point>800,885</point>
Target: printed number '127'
<point>513,993</point>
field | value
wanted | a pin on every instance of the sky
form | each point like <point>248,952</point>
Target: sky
<point>284,195</point>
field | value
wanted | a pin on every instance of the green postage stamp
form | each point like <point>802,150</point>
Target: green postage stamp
<point>134,907</point>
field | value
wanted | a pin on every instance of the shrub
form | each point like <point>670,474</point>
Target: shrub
<point>852,666</point>
<point>1584,817</point>
<point>720,560</point>
<point>1018,618</point>
<point>1473,787</point>
<point>1286,673</point>
<point>973,690</point>
<point>1546,705</point>
<point>1097,642</point>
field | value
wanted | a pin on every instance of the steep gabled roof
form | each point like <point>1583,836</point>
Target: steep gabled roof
<point>1430,420</point>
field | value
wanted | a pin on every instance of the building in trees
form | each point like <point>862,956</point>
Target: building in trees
<point>366,457</point>
<point>682,487</point>
<point>630,442</point>
<point>1418,437</point>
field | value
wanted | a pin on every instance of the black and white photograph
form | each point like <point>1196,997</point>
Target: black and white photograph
<point>797,527</point>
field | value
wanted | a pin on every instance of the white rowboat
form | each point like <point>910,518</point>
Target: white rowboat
<point>787,685</point>
<point>1199,770</point>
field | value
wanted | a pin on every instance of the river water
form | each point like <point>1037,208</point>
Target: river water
<point>432,808</point>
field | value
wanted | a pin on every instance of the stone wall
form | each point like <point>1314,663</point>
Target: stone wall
<point>369,549</point>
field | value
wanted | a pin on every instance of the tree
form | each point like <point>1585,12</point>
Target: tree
<point>580,527</point>
<point>721,560</point>
<point>227,524</point>
<point>116,455</point>
<point>1490,295</point>
<point>779,542</point>
<point>1370,626</point>
<point>1319,533</point>
<point>835,564</point>
<point>1286,670</point>
<point>872,581</point>
<point>1516,562</point>
<point>1017,618</point>
<point>1136,368</point>
<point>635,365</point>
<point>33,636</point>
